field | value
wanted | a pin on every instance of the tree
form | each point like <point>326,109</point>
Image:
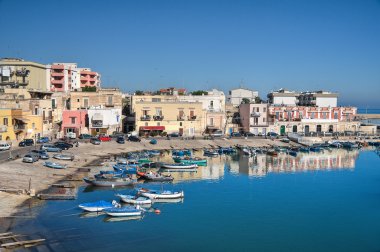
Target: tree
<point>245,101</point>
<point>199,92</point>
<point>139,92</point>
<point>88,89</point>
<point>258,99</point>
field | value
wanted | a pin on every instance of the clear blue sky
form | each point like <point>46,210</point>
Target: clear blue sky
<point>264,44</point>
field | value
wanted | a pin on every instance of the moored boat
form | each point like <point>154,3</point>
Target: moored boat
<point>272,153</point>
<point>153,141</point>
<point>133,199</point>
<point>124,211</point>
<point>63,157</point>
<point>154,194</point>
<point>54,165</point>
<point>195,160</point>
<point>152,176</point>
<point>97,206</point>
<point>179,166</point>
<point>112,182</point>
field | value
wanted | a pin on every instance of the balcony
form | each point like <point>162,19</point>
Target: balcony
<point>57,81</point>
<point>57,74</point>
<point>145,118</point>
<point>192,118</point>
<point>255,114</point>
<point>19,127</point>
<point>180,118</point>
<point>158,118</point>
<point>3,128</point>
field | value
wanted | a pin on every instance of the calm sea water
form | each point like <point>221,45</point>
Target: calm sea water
<point>325,202</point>
<point>369,111</point>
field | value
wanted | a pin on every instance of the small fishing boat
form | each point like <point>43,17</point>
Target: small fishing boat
<point>154,194</point>
<point>98,206</point>
<point>195,160</point>
<point>179,166</point>
<point>110,174</point>
<point>153,141</point>
<point>246,151</point>
<point>144,160</point>
<point>124,211</point>
<point>126,169</point>
<point>181,153</point>
<point>134,199</point>
<point>335,144</point>
<point>152,176</point>
<point>285,140</point>
<point>154,152</point>
<point>63,157</point>
<point>109,182</point>
<point>54,165</point>
<point>315,149</point>
<point>150,165</point>
<point>292,153</point>
<point>207,152</point>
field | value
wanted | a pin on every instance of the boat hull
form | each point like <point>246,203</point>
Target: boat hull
<point>175,195</point>
<point>109,183</point>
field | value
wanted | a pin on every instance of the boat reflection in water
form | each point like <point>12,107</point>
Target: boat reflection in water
<point>262,164</point>
<point>90,214</point>
<point>118,219</point>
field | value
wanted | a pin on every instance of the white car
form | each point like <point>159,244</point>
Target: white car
<point>29,158</point>
<point>71,135</point>
<point>4,146</point>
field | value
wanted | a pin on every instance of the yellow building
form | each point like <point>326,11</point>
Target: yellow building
<point>16,125</point>
<point>185,118</point>
<point>19,73</point>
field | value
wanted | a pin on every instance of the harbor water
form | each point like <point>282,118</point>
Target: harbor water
<point>326,201</point>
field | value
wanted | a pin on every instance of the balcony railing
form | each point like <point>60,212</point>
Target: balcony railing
<point>158,118</point>
<point>145,118</point>
<point>255,114</point>
<point>180,118</point>
<point>192,118</point>
<point>19,127</point>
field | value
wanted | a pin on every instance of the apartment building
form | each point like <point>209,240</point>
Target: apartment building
<point>254,118</point>
<point>104,120</point>
<point>168,115</point>
<point>318,99</point>
<point>283,97</point>
<point>237,95</point>
<point>18,73</point>
<point>104,97</point>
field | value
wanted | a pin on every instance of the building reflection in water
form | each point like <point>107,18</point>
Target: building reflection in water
<point>262,164</point>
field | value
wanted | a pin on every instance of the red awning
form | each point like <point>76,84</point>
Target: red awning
<point>152,128</point>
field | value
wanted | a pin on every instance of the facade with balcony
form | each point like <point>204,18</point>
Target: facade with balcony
<point>89,78</point>
<point>236,96</point>
<point>17,73</point>
<point>104,120</point>
<point>104,97</point>
<point>155,117</point>
<point>254,118</point>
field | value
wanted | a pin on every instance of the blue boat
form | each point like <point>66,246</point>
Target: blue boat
<point>105,174</point>
<point>315,149</point>
<point>124,211</point>
<point>181,153</point>
<point>304,149</point>
<point>126,169</point>
<point>292,153</point>
<point>227,150</point>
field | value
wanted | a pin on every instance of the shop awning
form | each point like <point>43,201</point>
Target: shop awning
<point>152,128</point>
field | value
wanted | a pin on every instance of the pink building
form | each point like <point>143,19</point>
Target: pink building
<point>254,118</point>
<point>58,81</point>
<point>89,78</point>
<point>75,121</point>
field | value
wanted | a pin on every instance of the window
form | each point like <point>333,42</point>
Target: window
<point>5,121</point>
<point>301,114</point>
<point>43,115</point>
<point>211,121</point>
<point>158,112</point>
<point>146,124</point>
<point>53,104</point>
<point>263,119</point>
<point>257,109</point>
<point>35,110</point>
<point>180,124</point>
<point>264,110</point>
<point>277,115</point>
<point>78,100</point>
<point>158,124</point>
<point>73,120</point>
<point>33,125</point>
<point>109,100</point>
<point>312,115</point>
<point>335,115</point>
<point>211,104</point>
<point>85,102</point>
<point>324,115</point>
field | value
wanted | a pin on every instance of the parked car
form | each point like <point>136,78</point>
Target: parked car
<point>117,134</point>
<point>71,135</point>
<point>50,148</point>
<point>84,136</point>
<point>95,141</point>
<point>4,146</point>
<point>34,154</point>
<point>30,158</point>
<point>104,138</point>
<point>217,133</point>
<point>134,139</point>
<point>26,142</point>
<point>43,140</point>
<point>235,134</point>
<point>120,140</point>
<point>249,134</point>
<point>42,154</point>
<point>63,145</point>
<point>272,134</point>
<point>174,134</point>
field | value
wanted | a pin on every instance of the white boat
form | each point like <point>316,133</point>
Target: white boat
<point>118,219</point>
<point>136,200</point>
<point>63,157</point>
<point>179,166</point>
<point>153,194</point>
<point>98,206</point>
<point>124,211</point>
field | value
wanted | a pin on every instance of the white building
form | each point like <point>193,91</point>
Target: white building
<point>283,97</point>
<point>318,99</point>
<point>104,121</point>
<point>236,95</point>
